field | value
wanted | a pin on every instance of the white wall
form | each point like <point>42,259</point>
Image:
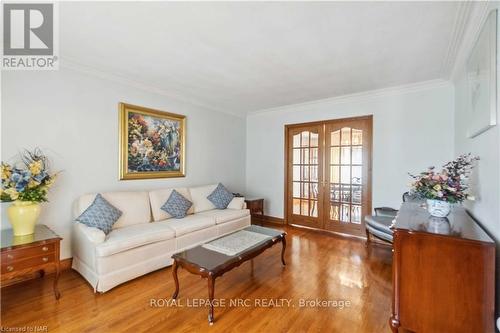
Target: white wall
<point>412,129</point>
<point>73,117</point>
<point>485,180</point>
<point>486,177</point>
<point>485,183</point>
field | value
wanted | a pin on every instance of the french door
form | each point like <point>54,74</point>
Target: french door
<point>328,174</point>
<point>305,169</point>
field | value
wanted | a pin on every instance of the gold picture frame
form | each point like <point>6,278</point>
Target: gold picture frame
<point>152,143</point>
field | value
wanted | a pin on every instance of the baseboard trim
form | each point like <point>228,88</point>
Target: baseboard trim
<point>64,266</point>
<point>271,220</point>
<point>265,219</point>
<point>328,232</point>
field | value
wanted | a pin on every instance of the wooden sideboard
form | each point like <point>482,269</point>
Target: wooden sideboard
<point>443,273</point>
<point>24,255</point>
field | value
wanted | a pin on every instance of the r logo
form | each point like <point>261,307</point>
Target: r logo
<point>28,29</point>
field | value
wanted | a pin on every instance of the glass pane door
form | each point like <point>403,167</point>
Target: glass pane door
<point>345,175</point>
<point>304,186</point>
<point>347,150</point>
<point>328,167</point>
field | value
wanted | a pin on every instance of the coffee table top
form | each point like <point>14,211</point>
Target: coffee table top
<point>210,260</point>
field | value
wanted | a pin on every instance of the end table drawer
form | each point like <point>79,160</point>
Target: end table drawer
<point>27,263</point>
<point>21,254</point>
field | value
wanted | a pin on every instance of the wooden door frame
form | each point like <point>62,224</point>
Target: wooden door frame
<point>287,128</point>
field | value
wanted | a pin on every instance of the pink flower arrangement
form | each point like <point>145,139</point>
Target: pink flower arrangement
<point>450,184</point>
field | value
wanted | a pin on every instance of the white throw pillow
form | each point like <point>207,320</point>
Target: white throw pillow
<point>237,203</point>
<point>199,198</point>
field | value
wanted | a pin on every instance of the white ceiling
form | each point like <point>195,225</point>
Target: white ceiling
<point>244,56</point>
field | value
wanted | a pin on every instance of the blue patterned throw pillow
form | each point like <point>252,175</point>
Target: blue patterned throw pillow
<point>100,214</point>
<point>220,197</point>
<point>177,205</point>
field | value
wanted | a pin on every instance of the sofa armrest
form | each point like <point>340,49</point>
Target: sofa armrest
<point>237,203</point>
<point>85,240</point>
<point>94,235</point>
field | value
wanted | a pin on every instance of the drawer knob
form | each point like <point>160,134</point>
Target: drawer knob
<point>45,249</point>
<point>10,268</point>
<point>45,259</point>
<point>10,256</point>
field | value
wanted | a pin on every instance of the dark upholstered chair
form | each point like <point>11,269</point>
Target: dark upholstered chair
<point>379,224</point>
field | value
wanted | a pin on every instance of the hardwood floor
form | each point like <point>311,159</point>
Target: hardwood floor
<point>318,266</point>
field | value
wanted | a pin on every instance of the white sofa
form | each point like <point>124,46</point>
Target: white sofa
<point>145,237</point>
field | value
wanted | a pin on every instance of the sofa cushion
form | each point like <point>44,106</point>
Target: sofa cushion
<point>135,206</point>
<point>199,198</point>
<point>225,215</point>
<point>100,214</point>
<point>177,205</point>
<point>158,198</point>
<point>133,236</point>
<point>188,224</point>
<point>220,197</point>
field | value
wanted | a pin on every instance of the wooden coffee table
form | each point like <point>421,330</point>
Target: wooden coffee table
<point>211,264</point>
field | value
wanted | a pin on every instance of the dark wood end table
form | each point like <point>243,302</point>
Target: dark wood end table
<point>23,255</point>
<point>256,207</point>
<point>211,264</point>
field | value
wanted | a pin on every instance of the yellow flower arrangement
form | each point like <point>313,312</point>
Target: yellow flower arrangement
<point>35,167</point>
<point>33,183</point>
<point>49,182</point>
<point>27,182</point>
<point>12,193</point>
<point>6,171</point>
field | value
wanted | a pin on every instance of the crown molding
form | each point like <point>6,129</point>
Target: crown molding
<point>478,14</point>
<point>365,95</point>
<point>74,65</point>
<point>460,24</point>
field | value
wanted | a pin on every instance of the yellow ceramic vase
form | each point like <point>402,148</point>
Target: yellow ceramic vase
<point>23,216</point>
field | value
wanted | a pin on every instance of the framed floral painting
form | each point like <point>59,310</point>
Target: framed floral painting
<point>152,143</point>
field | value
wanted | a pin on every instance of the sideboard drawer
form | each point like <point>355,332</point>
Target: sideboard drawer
<point>21,254</point>
<point>26,263</point>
